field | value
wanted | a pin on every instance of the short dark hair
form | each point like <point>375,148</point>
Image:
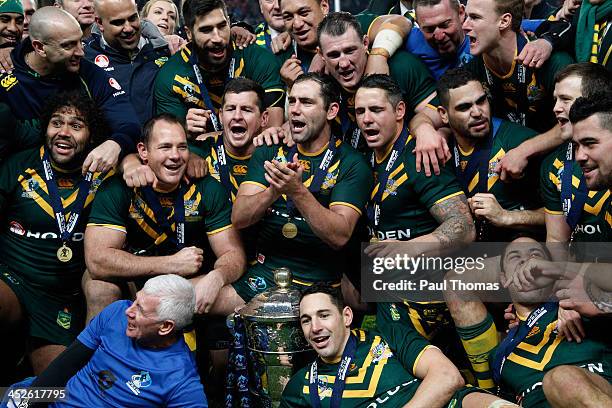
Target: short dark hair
<point>599,104</point>
<point>337,23</point>
<point>335,294</point>
<point>240,85</point>
<point>430,3</point>
<point>594,77</point>
<point>452,79</point>
<point>84,105</point>
<point>387,84</point>
<point>147,129</point>
<point>516,236</point>
<point>330,90</point>
<point>197,8</point>
<point>516,8</point>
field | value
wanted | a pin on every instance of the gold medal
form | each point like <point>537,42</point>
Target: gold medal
<point>64,254</point>
<point>374,239</point>
<point>290,230</point>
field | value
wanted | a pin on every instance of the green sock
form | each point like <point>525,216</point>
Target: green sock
<point>478,341</point>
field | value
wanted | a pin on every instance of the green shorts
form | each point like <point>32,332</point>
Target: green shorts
<point>259,278</point>
<point>57,319</point>
<point>457,400</point>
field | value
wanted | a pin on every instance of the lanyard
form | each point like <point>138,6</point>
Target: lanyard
<point>224,174</point>
<point>516,336</point>
<point>267,37</point>
<point>152,201</point>
<point>339,384</point>
<point>350,132</point>
<point>479,161</point>
<point>522,105</point>
<point>396,152</point>
<point>205,96</point>
<point>66,229</point>
<point>572,209</point>
<point>320,173</point>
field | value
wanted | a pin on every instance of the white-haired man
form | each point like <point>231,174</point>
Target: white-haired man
<point>133,353</point>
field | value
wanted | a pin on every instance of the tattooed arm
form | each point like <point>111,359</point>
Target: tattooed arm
<point>456,227</point>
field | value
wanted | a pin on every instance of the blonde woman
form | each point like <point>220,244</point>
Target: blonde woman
<point>163,13</point>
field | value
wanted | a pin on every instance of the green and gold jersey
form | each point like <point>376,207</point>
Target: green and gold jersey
<point>207,212</point>
<point>177,89</point>
<point>408,196</point>
<point>592,225</point>
<point>238,166</point>
<point>518,194</point>
<point>513,97</point>
<point>29,237</point>
<point>348,182</point>
<point>543,349</point>
<point>377,376</point>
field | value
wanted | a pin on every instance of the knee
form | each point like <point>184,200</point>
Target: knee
<point>560,379</point>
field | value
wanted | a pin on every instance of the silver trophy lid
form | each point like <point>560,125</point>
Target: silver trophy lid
<point>279,303</point>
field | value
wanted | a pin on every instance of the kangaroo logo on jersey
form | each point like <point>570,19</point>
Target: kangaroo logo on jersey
<point>64,319</point>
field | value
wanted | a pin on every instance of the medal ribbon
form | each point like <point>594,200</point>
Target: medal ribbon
<point>350,132</point>
<point>522,73</point>
<point>339,383</point>
<point>204,95</point>
<point>66,229</point>
<point>478,161</point>
<point>383,178</point>
<point>516,336</point>
<point>152,201</point>
<point>572,209</point>
<point>320,173</point>
<point>224,173</point>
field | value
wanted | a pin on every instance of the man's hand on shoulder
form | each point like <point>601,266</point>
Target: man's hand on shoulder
<point>102,158</point>
<point>281,42</point>
<point>175,42</point>
<point>272,136</point>
<point>197,167</point>
<point>136,174</point>
<point>6,63</point>
<point>535,53</point>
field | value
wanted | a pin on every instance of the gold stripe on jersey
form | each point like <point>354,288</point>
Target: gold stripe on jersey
<point>185,95</point>
<point>395,183</point>
<point>370,391</point>
<point>549,346</point>
<point>493,179</point>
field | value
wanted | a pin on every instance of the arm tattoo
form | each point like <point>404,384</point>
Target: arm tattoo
<point>600,298</point>
<point>456,224</point>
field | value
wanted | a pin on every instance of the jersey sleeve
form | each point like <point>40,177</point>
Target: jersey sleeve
<point>91,336</point>
<point>413,78</point>
<point>256,172</point>
<point>166,100</point>
<point>355,183</point>
<point>263,68</point>
<point>550,195</point>
<point>217,206</point>
<point>111,206</point>
<point>114,101</point>
<point>434,189</point>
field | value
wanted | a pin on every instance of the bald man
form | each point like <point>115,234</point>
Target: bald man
<point>51,60</point>
<point>130,49</point>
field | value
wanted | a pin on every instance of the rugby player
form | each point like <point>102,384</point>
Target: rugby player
<point>42,262</point>
<point>307,199</point>
<point>174,226</point>
<point>192,81</point>
<point>398,371</point>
